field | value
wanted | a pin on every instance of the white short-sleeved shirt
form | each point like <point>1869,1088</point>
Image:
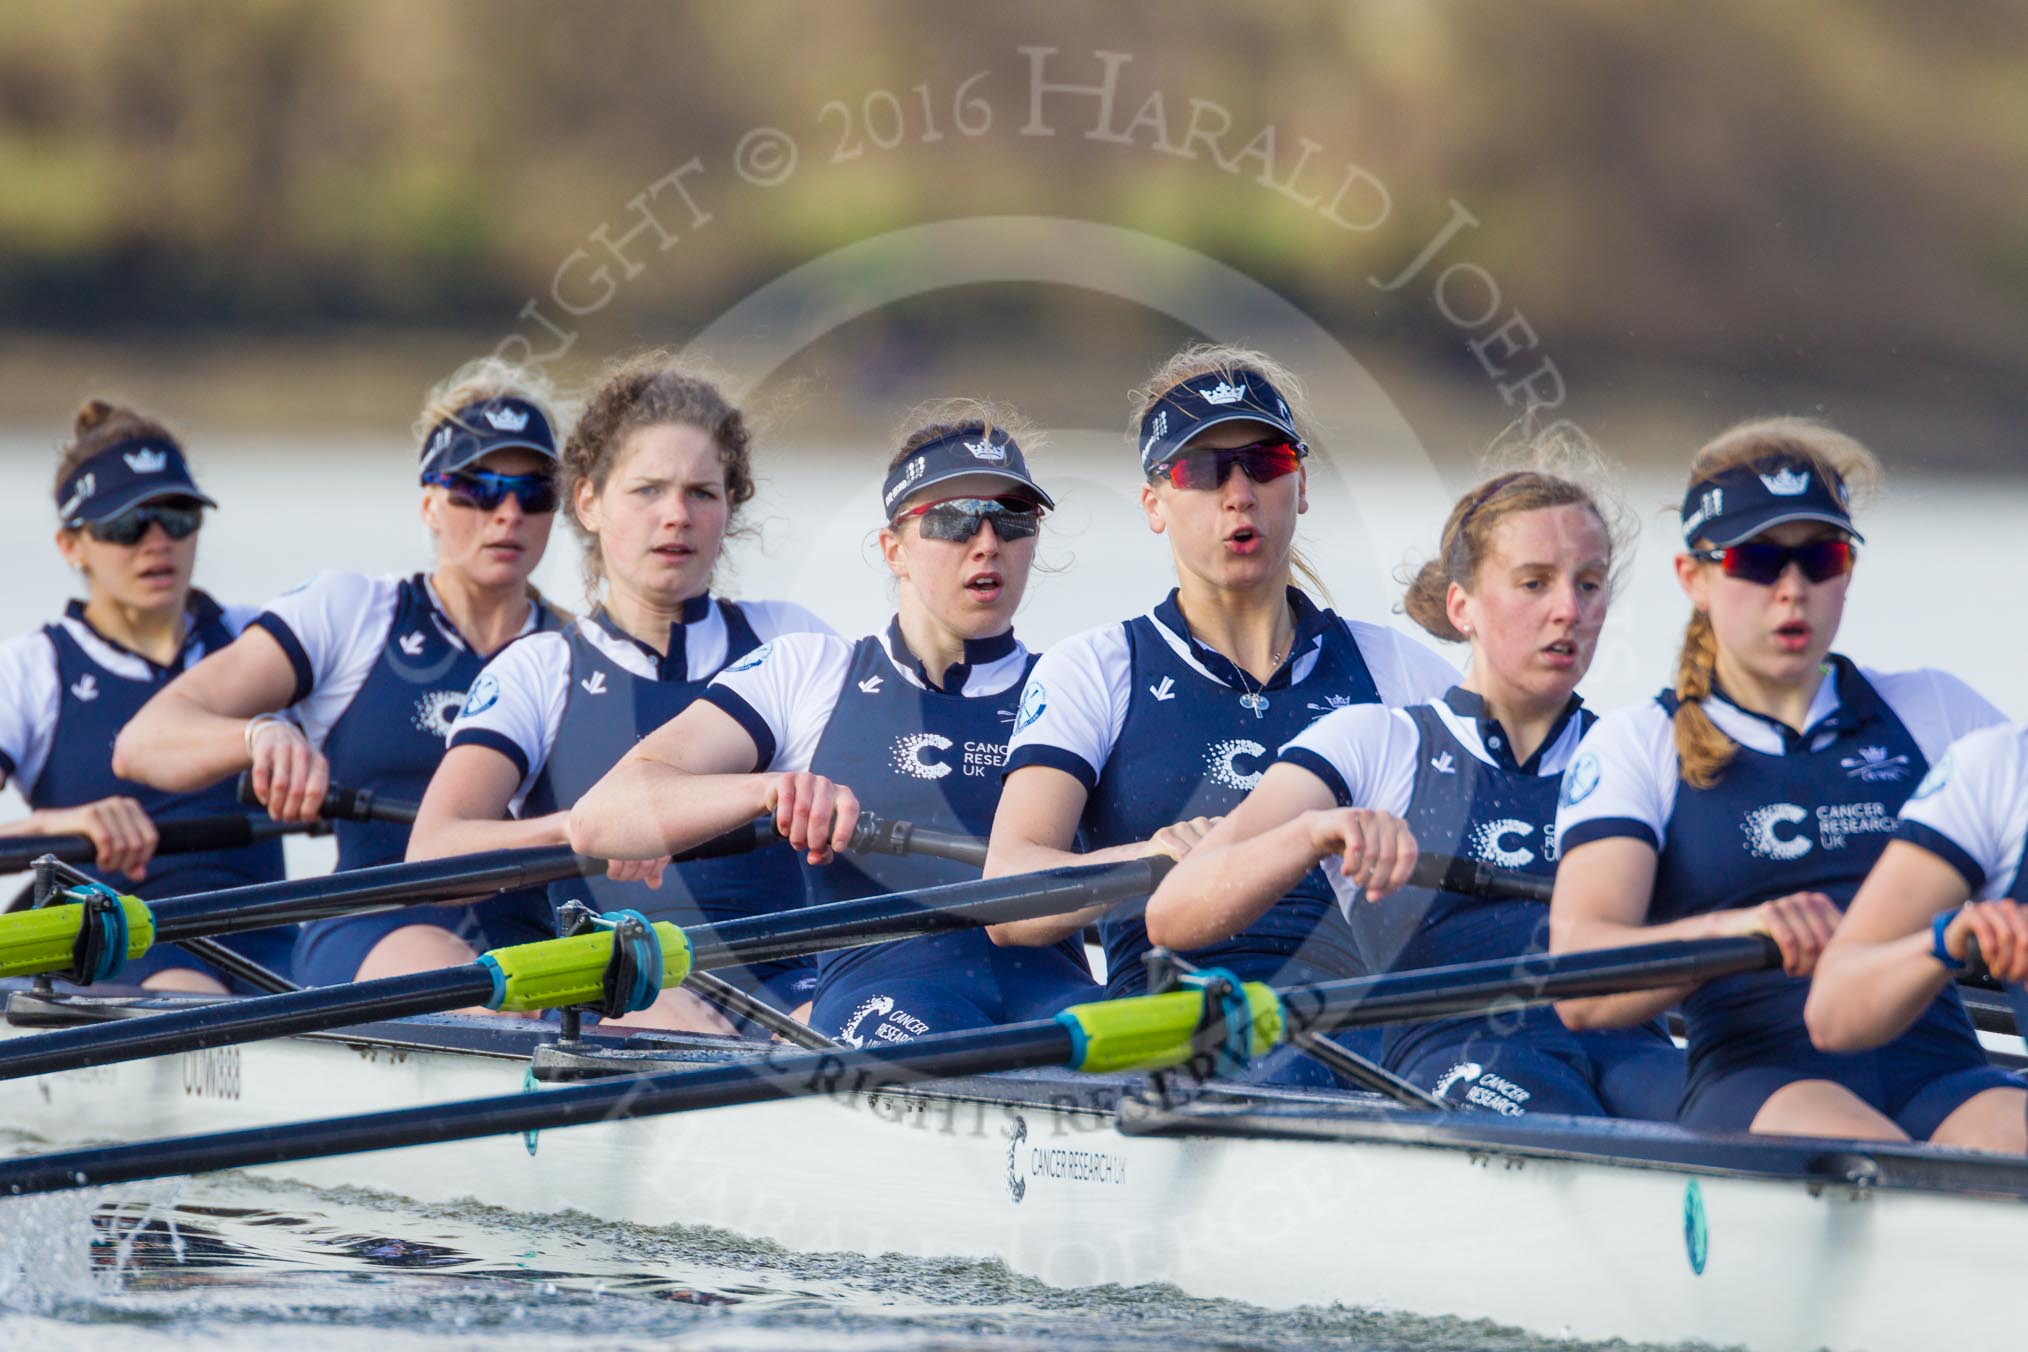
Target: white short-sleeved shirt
<point>1367,754</point>
<point>1972,810</point>
<point>1088,679</point>
<point>785,699</point>
<point>517,704</point>
<point>31,694</point>
<point>1624,779</point>
<point>334,628</point>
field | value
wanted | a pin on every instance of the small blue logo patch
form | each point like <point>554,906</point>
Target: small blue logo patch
<point>1696,1230</point>
<point>1034,700</point>
<point>1938,776</point>
<point>753,659</point>
<point>484,694</point>
<point>1580,779</point>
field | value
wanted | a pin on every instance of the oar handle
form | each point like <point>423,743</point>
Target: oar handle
<point>1449,873</point>
<point>225,831</point>
<point>877,835</point>
<point>342,804</point>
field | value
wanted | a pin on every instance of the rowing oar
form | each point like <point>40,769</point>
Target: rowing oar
<point>1443,872</point>
<point>187,835</point>
<point>617,969</point>
<point>1200,1028</point>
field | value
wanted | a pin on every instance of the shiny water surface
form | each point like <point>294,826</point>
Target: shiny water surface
<point>238,1262</point>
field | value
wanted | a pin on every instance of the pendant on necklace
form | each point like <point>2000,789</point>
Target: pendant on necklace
<point>1255,701</point>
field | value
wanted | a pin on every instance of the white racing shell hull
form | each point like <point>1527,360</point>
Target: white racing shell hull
<point>1277,1202</point>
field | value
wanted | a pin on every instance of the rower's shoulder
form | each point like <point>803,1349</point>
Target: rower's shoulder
<point>337,591</point>
<point>1407,671</point>
<point>773,619</point>
<point>28,651</point>
<point>1103,647</point>
<point>1929,688</point>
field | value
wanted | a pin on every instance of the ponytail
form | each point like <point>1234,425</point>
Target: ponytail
<point>1701,749</point>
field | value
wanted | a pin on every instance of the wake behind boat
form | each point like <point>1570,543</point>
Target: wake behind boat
<point>1279,1197</point>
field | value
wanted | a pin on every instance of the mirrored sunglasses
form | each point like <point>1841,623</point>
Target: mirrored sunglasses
<point>178,523</point>
<point>483,490</point>
<point>959,519</point>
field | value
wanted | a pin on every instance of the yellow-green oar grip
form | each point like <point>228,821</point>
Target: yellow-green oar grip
<point>44,940</point>
<point>557,973</point>
<point>1154,1032</point>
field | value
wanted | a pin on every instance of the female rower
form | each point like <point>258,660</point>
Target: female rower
<point>128,512</point>
<point>655,474</point>
<point>1954,872</point>
<point>914,719</point>
<point>1524,574</point>
<point>1134,735</point>
<point>357,679</point>
<point>1773,769</point>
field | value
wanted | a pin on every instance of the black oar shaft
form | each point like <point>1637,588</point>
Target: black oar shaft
<point>385,886</point>
<point>778,1074</point>
<point>301,1011</point>
<point>225,831</point>
<point>932,910</point>
<point>235,909</point>
<point>1475,987</point>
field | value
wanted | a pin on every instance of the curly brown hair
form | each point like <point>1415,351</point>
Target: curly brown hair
<point>650,389</point>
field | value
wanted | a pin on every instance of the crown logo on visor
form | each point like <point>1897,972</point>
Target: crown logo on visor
<point>506,419</point>
<point>1787,483</point>
<point>988,450</point>
<point>1223,393</point>
<point>146,461</point>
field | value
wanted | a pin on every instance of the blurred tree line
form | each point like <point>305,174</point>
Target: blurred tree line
<point>1731,182</point>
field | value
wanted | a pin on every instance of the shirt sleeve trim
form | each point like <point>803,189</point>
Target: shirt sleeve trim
<point>1944,848</point>
<point>1321,768</point>
<point>1607,828</point>
<point>494,741</point>
<point>292,647</point>
<point>1056,758</point>
<point>744,714</point>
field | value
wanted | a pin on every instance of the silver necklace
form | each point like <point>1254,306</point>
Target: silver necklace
<point>1254,699</point>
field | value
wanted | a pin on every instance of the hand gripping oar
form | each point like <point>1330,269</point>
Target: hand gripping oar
<point>187,835</point>
<point>1203,1028</point>
<point>571,968</point>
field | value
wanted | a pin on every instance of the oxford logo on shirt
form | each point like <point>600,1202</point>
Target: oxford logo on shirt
<point>86,687</point>
<point>1873,765</point>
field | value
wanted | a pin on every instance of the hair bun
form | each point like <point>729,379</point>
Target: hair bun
<point>91,415</point>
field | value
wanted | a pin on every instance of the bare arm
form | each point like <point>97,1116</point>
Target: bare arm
<point>1034,827</point>
<point>194,732</point>
<point>692,779</point>
<point>1877,974</point>
<point>1260,850</point>
<point>1602,893</point>
<point>464,811</point>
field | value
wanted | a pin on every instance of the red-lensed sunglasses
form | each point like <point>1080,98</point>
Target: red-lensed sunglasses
<point>1262,462</point>
<point>1763,563</point>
